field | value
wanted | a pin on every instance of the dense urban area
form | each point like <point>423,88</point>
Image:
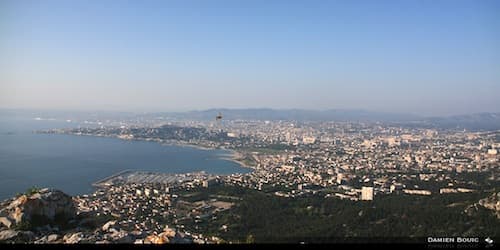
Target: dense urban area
<point>310,182</point>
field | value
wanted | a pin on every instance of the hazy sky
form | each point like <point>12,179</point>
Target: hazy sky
<point>424,57</point>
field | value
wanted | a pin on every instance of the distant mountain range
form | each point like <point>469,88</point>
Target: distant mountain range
<point>295,115</point>
<point>479,121</point>
<point>472,122</point>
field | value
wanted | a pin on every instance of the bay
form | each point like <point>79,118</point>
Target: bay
<point>72,163</point>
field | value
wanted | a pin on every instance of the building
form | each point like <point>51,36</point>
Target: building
<point>308,140</point>
<point>418,192</point>
<point>232,135</point>
<point>447,190</point>
<point>205,184</point>
<point>367,193</point>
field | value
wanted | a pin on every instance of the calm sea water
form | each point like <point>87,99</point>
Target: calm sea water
<point>72,163</point>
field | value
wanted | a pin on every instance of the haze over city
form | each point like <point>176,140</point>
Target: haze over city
<point>420,57</point>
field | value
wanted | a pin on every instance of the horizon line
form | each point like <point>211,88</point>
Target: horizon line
<point>236,109</point>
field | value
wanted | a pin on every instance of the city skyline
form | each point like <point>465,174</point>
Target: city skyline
<point>418,57</point>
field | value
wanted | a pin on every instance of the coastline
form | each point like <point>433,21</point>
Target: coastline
<point>183,144</point>
<point>235,155</point>
<point>236,158</point>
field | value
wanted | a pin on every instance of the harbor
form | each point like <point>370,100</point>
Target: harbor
<point>143,177</point>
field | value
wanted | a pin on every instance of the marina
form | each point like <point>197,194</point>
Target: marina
<point>141,177</point>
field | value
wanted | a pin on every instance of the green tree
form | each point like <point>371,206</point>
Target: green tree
<point>32,190</point>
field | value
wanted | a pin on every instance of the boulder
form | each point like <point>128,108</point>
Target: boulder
<point>73,238</point>
<point>165,236</point>
<point>42,240</point>
<point>17,215</point>
<point>8,235</point>
<point>42,207</point>
<point>169,232</point>
<point>12,236</point>
<point>52,237</point>
<point>5,221</point>
<point>156,239</point>
<point>17,202</point>
<point>108,224</point>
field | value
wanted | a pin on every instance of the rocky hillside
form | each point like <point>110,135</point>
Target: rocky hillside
<point>51,216</point>
<point>40,211</point>
<point>42,206</point>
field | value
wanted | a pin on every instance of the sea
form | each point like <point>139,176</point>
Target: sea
<point>72,163</point>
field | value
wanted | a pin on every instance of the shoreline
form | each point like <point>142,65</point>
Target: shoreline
<point>235,155</point>
<point>182,144</point>
<point>239,162</point>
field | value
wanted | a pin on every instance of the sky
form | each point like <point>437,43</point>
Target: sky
<point>421,57</point>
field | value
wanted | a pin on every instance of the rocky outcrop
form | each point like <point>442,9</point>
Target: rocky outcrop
<point>49,216</point>
<point>8,234</point>
<point>167,236</point>
<point>5,222</point>
<point>108,225</point>
<point>14,236</point>
<point>52,237</point>
<point>73,238</point>
<point>156,239</point>
<point>46,206</point>
<point>491,202</point>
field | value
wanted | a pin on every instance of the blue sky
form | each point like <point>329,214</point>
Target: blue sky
<point>422,57</point>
